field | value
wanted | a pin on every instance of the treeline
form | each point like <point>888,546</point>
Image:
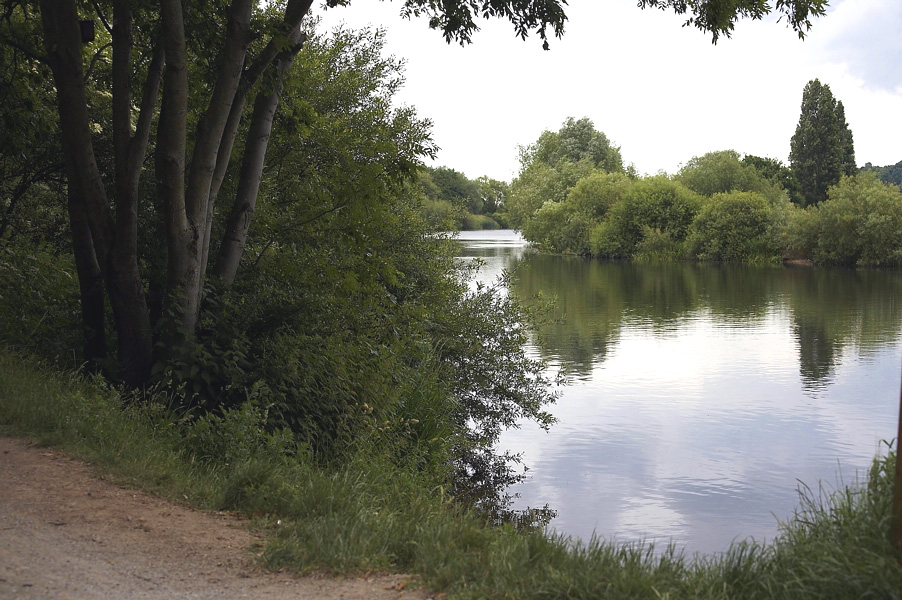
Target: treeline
<point>573,195</point>
<point>891,174</point>
<point>452,200</point>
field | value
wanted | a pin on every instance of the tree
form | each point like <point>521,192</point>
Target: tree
<point>576,141</point>
<point>775,171</point>
<point>821,150</point>
<point>550,167</point>
<point>888,174</point>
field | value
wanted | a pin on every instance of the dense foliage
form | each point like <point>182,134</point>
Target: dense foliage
<point>720,207</point>
<point>553,165</point>
<point>887,174</point>
<point>859,224</point>
<point>349,323</point>
<point>821,149</point>
<point>453,201</point>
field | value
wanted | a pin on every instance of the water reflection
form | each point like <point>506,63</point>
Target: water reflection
<point>830,309</point>
<point>702,393</point>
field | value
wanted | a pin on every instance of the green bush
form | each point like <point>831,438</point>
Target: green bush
<point>734,227</point>
<point>722,172</point>
<point>596,193</point>
<point>860,224</point>
<point>472,222</point>
<point>655,203</point>
<point>39,303</point>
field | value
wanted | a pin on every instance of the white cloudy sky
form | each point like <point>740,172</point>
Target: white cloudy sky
<point>660,91</point>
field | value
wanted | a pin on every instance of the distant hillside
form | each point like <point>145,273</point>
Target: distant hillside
<point>889,174</point>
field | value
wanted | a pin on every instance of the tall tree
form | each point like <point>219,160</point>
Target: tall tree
<point>821,149</point>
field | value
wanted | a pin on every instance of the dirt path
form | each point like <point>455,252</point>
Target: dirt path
<point>67,534</point>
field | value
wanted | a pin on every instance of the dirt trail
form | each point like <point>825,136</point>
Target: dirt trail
<point>65,533</point>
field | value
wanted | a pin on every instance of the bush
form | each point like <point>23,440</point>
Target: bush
<point>656,203</point>
<point>860,224</point>
<point>734,227</point>
<point>722,172</point>
<point>39,301</point>
<point>595,194</point>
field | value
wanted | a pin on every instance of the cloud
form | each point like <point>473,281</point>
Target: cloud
<point>866,36</point>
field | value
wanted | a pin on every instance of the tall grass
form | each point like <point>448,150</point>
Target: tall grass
<point>370,514</point>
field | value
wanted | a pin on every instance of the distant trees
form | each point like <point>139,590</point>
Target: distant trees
<point>821,150</point>
<point>888,174</point>
<point>452,200</point>
<point>554,164</point>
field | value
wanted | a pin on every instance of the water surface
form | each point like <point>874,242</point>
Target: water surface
<point>700,395</point>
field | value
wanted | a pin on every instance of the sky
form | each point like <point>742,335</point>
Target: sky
<point>660,91</point>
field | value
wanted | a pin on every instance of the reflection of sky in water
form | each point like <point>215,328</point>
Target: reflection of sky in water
<point>699,431</point>
<point>498,252</point>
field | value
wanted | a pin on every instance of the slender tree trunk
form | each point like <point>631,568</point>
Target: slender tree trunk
<point>252,168</point>
<point>170,150</point>
<point>62,40</point>
<point>295,11</point>
<point>90,282</point>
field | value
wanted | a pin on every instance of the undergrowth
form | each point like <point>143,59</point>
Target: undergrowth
<point>371,514</point>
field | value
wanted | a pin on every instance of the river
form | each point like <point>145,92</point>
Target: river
<point>699,395</point>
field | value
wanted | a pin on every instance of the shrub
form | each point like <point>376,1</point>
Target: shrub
<point>860,224</point>
<point>733,227</point>
<point>722,172</point>
<point>595,194</point>
<point>39,303</point>
<point>656,203</point>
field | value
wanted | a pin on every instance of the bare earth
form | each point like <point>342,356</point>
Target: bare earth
<point>65,533</point>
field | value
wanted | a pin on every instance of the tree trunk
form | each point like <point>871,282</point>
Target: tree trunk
<point>62,40</point>
<point>295,11</point>
<point>170,150</point>
<point>90,282</point>
<point>252,167</point>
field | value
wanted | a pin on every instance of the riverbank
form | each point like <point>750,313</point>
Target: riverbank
<point>68,532</point>
<point>363,518</point>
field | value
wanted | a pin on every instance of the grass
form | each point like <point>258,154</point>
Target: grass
<point>371,515</point>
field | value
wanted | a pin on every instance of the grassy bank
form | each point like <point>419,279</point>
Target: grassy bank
<point>367,515</point>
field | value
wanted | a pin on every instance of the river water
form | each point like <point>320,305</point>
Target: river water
<point>700,396</point>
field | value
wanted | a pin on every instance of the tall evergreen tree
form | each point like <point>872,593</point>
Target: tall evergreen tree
<point>821,150</point>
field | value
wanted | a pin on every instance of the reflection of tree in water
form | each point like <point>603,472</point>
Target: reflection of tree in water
<point>833,309</point>
<point>595,300</point>
<point>817,352</point>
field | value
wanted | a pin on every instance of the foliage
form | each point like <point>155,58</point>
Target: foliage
<point>821,149</point>
<point>575,141</point>
<point>723,172</point>
<point>655,203</point>
<point>541,183</point>
<point>888,174</point>
<point>455,201</point>
<point>776,172</point>
<point>554,164</point>
<point>733,227</point>
<point>718,18</point>
<point>39,303</point>
<point>29,159</point>
<point>595,194</point>
<point>859,224</point>
<point>349,322</point>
